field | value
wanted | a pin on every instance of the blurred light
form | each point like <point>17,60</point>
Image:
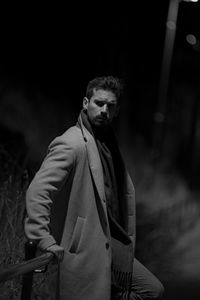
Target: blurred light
<point>159,117</point>
<point>191,39</point>
<point>190,0</point>
<point>171,25</point>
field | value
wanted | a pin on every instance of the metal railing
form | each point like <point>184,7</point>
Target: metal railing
<point>27,268</point>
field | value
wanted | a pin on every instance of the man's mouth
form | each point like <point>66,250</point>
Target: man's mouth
<point>102,119</point>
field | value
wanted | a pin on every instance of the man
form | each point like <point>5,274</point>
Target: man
<point>81,206</point>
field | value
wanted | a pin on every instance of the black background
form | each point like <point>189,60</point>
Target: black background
<point>48,53</point>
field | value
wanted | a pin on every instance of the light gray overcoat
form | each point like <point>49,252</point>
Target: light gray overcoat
<point>68,193</point>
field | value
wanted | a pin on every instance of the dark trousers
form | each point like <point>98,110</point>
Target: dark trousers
<point>145,285</point>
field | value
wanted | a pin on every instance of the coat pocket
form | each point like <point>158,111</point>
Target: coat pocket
<point>76,236</point>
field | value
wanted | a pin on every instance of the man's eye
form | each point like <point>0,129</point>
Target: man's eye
<point>99,103</point>
<point>111,106</point>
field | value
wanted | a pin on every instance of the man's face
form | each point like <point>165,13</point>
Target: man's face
<point>101,108</point>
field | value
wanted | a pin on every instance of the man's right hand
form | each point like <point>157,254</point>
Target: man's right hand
<point>57,250</point>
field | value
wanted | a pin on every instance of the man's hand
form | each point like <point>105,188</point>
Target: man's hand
<point>57,250</point>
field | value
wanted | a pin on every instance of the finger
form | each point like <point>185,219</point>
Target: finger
<point>59,255</point>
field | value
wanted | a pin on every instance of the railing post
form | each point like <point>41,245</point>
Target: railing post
<point>27,280</point>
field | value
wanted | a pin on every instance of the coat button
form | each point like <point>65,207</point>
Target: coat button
<point>107,245</point>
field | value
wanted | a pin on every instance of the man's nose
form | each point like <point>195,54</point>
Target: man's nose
<point>104,110</point>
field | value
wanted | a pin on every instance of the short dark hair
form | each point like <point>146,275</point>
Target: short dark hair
<point>109,83</point>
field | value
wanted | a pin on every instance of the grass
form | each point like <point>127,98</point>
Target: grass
<point>12,239</point>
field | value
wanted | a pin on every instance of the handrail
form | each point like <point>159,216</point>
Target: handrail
<point>30,265</point>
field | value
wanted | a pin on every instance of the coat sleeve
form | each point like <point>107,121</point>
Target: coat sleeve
<point>52,174</point>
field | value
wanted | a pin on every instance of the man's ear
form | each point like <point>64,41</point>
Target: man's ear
<point>85,103</point>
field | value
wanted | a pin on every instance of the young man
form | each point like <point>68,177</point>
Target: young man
<point>81,206</point>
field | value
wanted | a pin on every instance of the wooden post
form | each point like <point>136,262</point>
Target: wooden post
<point>27,280</point>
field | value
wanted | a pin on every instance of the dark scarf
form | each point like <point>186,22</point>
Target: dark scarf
<point>114,182</point>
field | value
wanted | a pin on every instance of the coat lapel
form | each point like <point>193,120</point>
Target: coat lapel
<point>95,165</point>
<point>94,160</point>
